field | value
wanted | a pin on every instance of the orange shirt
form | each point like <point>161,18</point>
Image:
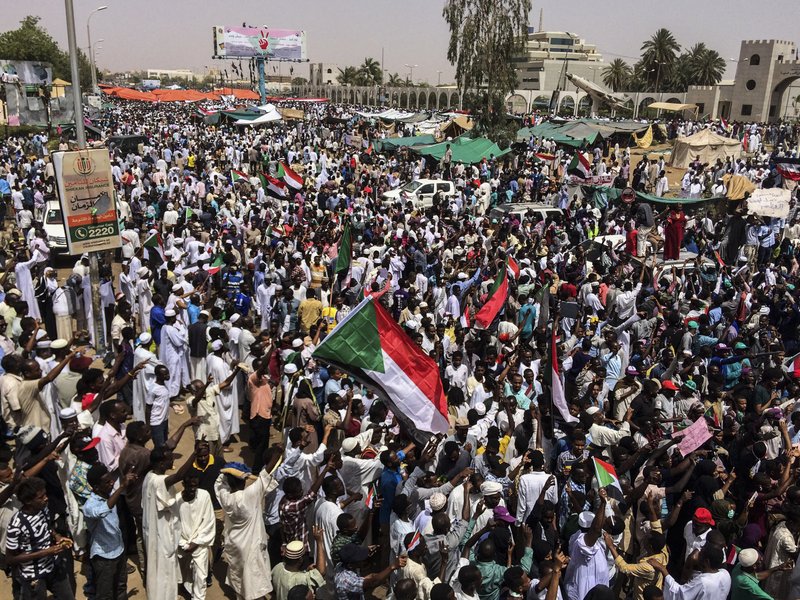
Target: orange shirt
<point>260,396</point>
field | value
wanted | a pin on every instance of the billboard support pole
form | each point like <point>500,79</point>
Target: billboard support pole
<point>262,85</point>
<point>80,135</point>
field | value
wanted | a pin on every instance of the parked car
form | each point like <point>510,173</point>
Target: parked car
<point>54,227</point>
<point>537,210</point>
<point>420,192</point>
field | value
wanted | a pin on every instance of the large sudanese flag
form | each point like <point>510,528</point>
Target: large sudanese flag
<point>495,300</point>
<point>375,350</point>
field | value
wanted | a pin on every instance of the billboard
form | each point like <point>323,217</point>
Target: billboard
<point>26,71</point>
<point>86,190</point>
<point>150,84</point>
<point>247,42</point>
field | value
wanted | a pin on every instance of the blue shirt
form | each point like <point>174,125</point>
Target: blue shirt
<point>390,480</point>
<point>103,525</point>
<point>157,321</point>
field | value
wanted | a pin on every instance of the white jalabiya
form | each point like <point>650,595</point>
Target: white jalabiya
<point>587,567</point>
<point>198,526</point>
<point>22,271</point>
<point>174,354</point>
<point>228,400</point>
<point>245,537</point>
<point>161,528</point>
<point>145,297</point>
<point>143,381</point>
<point>326,515</point>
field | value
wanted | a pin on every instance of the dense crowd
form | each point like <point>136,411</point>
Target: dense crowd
<point>657,458</point>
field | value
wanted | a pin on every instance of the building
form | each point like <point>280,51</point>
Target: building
<point>548,53</point>
<point>186,74</point>
<point>322,73</point>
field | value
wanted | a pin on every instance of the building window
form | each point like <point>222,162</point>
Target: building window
<point>780,57</point>
<point>701,108</point>
<point>747,110</point>
<point>755,60</point>
<point>330,71</point>
<point>772,110</point>
<point>750,85</point>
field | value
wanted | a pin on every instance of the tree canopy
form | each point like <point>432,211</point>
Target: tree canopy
<point>485,35</point>
<point>30,41</point>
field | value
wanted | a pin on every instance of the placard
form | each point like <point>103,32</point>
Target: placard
<point>86,192</point>
<point>772,202</point>
<point>694,436</point>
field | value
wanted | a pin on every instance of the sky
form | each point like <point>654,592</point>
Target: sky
<point>176,34</point>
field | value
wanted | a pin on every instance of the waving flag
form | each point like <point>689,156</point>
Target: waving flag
<point>237,176</point>
<point>345,256</point>
<point>556,384</point>
<point>607,478</point>
<point>289,177</point>
<point>154,247</point>
<point>495,301</point>
<point>789,168</point>
<point>580,166</point>
<point>374,349</point>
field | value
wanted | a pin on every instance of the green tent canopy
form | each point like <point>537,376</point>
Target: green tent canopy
<point>391,144</point>
<point>465,150</point>
<point>601,195</point>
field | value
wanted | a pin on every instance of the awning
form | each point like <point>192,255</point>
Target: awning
<point>673,106</point>
<point>465,150</point>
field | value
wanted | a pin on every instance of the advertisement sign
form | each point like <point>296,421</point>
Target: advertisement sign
<point>26,71</point>
<point>772,202</point>
<point>150,84</point>
<point>86,190</point>
<point>246,42</point>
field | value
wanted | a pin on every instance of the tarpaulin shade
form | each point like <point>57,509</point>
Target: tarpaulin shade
<point>465,150</point>
<point>389,144</point>
<point>705,146</point>
<point>673,106</point>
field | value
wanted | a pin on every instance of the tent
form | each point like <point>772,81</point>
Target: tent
<point>458,126</point>
<point>705,146</point>
<point>391,144</point>
<point>465,150</point>
<point>269,114</point>
<point>674,106</point>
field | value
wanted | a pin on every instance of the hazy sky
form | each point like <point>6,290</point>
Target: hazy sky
<point>173,34</point>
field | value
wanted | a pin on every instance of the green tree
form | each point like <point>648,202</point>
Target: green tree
<point>659,55</point>
<point>370,72</point>
<point>706,66</point>
<point>299,81</point>
<point>395,80</point>
<point>485,35</point>
<point>32,42</point>
<point>617,75</point>
<point>348,76</point>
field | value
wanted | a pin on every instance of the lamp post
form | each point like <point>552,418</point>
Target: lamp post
<point>91,50</point>
<point>93,61</point>
<point>80,137</point>
<point>411,72</point>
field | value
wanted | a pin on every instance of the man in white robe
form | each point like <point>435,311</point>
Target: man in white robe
<point>228,400</point>
<point>144,378</point>
<point>174,353</point>
<point>22,270</point>
<point>245,536</point>
<point>144,296</point>
<point>198,530</point>
<point>160,524</point>
<point>588,565</point>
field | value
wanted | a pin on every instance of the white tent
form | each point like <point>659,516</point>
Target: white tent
<point>270,114</point>
<point>705,146</point>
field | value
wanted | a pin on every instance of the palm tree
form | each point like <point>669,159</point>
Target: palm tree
<point>617,74</point>
<point>706,66</point>
<point>348,76</point>
<point>659,54</point>
<point>371,72</point>
<point>395,80</point>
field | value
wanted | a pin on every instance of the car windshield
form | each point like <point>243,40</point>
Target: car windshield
<point>53,217</point>
<point>411,186</point>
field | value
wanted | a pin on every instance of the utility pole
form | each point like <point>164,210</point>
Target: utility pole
<point>80,136</point>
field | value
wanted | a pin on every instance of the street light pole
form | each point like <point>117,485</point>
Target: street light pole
<point>91,50</point>
<point>80,136</point>
<point>411,72</point>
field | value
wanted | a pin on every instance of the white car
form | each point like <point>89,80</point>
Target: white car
<point>420,192</point>
<point>54,227</point>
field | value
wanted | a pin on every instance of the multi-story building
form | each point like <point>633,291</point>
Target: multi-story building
<point>187,74</point>
<point>323,73</point>
<point>548,53</point>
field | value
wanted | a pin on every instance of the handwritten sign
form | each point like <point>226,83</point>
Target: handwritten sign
<point>773,202</point>
<point>694,436</point>
<point>593,180</point>
<point>86,192</point>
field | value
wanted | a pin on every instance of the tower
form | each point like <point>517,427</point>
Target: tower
<point>764,71</point>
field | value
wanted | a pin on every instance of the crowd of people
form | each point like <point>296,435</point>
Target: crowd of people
<point>627,426</point>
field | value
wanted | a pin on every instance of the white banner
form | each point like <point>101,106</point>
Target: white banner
<point>773,202</point>
<point>593,180</point>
